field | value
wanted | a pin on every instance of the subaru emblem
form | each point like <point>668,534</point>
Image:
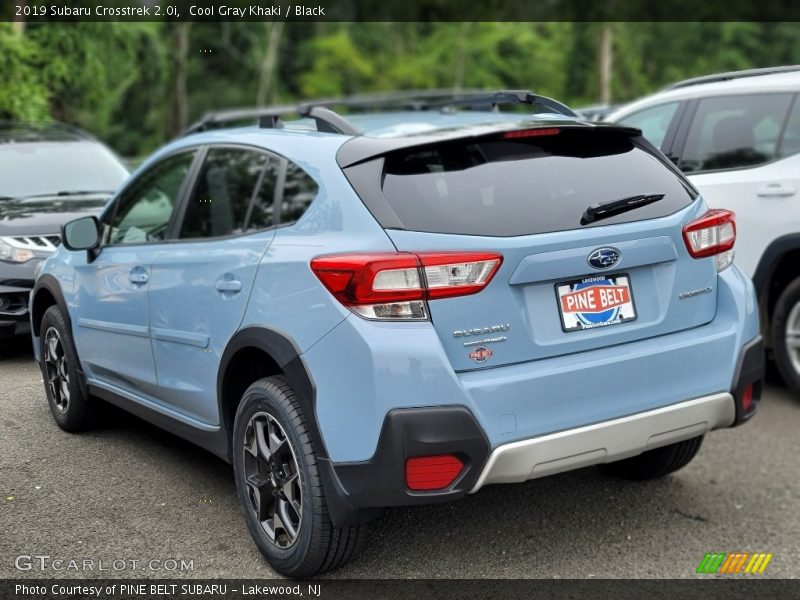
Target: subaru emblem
<point>603,258</point>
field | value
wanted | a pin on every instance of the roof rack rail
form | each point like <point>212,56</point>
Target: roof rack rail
<point>444,98</point>
<point>332,122</point>
<point>270,117</point>
<point>325,119</point>
<point>409,100</point>
<point>732,75</point>
<point>403,99</point>
<point>494,99</point>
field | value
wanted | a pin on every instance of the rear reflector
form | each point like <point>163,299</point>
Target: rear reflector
<point>397,285</point>
<point>747,397</point>
<point>712,234</point>
<point>432,472</point>
<point>526,133</point>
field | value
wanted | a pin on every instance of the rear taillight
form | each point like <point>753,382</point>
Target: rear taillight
<point>712,234</point>
<point>432,472</point>
<point>397,285</point>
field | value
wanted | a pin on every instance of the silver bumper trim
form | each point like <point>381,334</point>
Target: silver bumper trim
<point>607,441</point>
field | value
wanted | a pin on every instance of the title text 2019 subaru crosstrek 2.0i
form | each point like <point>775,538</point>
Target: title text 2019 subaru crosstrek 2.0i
<point>401,307</point>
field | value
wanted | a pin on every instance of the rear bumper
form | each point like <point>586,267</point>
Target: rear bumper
<point>407,433</point>
<point>750,371</point>
<point>606,442</point>
<point>356,488</point>
<point>395,366</point>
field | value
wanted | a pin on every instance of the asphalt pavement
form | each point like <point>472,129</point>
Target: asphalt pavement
<point>138,502</point>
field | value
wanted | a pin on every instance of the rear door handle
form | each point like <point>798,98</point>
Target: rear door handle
<point>776,190</point>
<point>138,275</point>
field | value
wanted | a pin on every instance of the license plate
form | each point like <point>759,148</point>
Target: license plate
<point>597,301</point>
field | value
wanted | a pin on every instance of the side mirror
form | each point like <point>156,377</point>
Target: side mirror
<point>81,234</point>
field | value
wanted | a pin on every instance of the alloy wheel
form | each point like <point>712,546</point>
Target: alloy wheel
<point>792,336</point>
<point>272,479</point>
<point>55,361</point>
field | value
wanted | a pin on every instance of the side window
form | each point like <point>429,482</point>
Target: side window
<point>144,210</point>
<point>790,144</point>
<point>735,131</point>
<point>262,214</point>
<point>222,194</point>
<point>654,122</point>
<point>298,193</point>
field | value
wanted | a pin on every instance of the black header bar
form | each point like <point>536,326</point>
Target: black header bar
<point>410,10</point>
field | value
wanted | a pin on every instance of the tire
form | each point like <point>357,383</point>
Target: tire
<point>71,409</point>
<point>301,541</point>
<point>786,318</point>
<point>655,463</point>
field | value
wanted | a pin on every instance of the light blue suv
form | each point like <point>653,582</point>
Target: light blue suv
<point>403,306</point>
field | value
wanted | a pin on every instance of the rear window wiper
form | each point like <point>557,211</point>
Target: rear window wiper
<point>604,210</point>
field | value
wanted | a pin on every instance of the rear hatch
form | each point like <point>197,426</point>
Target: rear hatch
<point>570,280</point>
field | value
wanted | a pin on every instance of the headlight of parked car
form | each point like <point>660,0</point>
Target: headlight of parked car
<point>10,253</point>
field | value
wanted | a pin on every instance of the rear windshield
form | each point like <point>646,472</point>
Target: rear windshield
<point>517,186</point>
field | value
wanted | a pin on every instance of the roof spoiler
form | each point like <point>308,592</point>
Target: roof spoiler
<point>329,121</point>
<point>364,148</point>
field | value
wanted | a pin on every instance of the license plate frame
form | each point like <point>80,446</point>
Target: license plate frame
<point>595,316</point>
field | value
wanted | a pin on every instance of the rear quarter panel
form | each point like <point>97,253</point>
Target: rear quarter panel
<point>286,294</point>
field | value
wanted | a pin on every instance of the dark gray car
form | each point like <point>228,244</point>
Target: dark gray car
<point>50,175</point>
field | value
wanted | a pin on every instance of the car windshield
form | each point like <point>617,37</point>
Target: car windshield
<point>41,168</point>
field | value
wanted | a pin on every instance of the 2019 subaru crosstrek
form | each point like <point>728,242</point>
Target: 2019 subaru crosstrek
<point>402,307</point>
<point>51,174</point>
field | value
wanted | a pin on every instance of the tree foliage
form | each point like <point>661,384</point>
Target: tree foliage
<point>118,80</point>
<point>23,93</point>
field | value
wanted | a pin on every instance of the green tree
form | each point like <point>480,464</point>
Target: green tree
<point>336,67</point>
<point>24,93</point>
<point>119,80</point>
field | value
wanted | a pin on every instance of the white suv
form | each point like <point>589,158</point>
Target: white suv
<point>737,136</point>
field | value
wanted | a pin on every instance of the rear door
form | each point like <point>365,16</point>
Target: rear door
<point>201,282</point>
<point>567,284</point>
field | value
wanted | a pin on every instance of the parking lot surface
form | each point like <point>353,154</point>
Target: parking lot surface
<point>126,491</point>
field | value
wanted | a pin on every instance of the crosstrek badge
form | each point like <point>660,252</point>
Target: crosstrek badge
<point>594,302</point>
